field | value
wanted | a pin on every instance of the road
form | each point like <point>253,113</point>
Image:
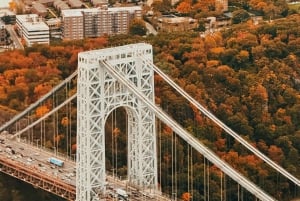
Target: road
<point>150,29</point>
<point>37,159</point>
<point>52,13</point>
<point>14,37</point>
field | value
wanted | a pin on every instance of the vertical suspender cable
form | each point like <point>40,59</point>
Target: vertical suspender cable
<point>54,126</point>
<point>225,190</point>
<point>208,179</point>
<point>70,127</point>
<point>204,178</point>
<point>238,194</point>
<point>242,193</point>
<point>67,116</point>
<point>192,174</point>
<point>30,131</point>
<point>160,154</point>
<point>221,187</point>
<point>172,164</point>
<point>112,144</point>
<point>188,169</point>
<point>116,138</point>
<point>57,138</point>
<point>175,164</point>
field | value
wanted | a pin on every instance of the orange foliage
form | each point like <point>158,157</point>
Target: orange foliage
<point>65,121</point>
<point>37,59</point>
<point>168,130</point>
<point>74,148</point>
<point>204,5</point>
<point>41,89</point>
<point>116,131</point>
<point>94,43</point>
<point>41,111</point>
<point>184,7</point>
<point>12,5</point>
<point>276,153</point>
<point>186,196</point>
<point>221,144</point>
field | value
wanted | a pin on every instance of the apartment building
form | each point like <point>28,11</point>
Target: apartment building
<point>3,34</point>
<point>54,25</point>
<point>95,22</point>
<point>72,24</point>
<point>32,29</point>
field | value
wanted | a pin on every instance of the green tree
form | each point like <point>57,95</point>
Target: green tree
<point>137,27</point>
<point>239,16</point>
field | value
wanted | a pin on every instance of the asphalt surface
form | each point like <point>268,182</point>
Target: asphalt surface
<point>38,160</point>
<point>14,37</point>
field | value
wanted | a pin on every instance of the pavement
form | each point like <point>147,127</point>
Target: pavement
<point>150,29</point>
<point>14,37</point>
<point>37,159</point>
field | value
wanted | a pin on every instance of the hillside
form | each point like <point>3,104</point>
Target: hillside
<point>247,75</point>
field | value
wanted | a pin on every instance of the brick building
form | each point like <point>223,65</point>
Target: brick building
<point>94,22</point>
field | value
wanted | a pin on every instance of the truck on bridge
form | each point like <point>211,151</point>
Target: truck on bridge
<point>56,162</point>
<point>122,193</point>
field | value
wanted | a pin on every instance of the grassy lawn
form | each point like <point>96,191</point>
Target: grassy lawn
<point>295,7</point>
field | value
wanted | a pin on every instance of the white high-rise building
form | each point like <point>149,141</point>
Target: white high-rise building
<point>33,29</point>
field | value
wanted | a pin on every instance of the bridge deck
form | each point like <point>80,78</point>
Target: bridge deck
<point>37,178</point>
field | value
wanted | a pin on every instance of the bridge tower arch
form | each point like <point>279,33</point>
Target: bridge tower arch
<point>99,93</point>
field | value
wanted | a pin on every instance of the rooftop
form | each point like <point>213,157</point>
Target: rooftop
<point>129,9</point>
<point>32,22</point>
<point>39,7</point>
<point>36,26</point>
<point>78,12</point>
<point>46,1</point>
<point>27,17</point>
<point>6,11</point>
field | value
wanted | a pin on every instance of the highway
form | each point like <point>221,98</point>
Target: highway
<point>36,160</point>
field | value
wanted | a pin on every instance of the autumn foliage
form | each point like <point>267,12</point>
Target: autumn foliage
<point>247,76</point>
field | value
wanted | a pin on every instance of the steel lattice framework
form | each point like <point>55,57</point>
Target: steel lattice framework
<point>98,94</point>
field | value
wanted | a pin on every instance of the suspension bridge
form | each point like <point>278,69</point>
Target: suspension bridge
<point>106,80</point>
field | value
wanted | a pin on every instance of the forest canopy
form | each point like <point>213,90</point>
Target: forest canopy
<point>247,75</point>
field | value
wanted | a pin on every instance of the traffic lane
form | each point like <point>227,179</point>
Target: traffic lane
<point>14,37</point>
<point>38,159</point>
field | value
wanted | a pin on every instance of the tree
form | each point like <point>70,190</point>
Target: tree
<point>276,154</point>
<point>239,16</point>
<point>186,196</point>
<point>41,111</point>
<point>184,7</point>
<point>137,27</point>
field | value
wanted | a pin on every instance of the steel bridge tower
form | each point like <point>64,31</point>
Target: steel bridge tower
<point>98,94</point>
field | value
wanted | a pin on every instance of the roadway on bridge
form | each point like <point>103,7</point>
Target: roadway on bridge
<point>37,159</point>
